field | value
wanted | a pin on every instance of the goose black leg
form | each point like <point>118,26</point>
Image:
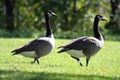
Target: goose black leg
<point>36,59</point>
<point>78,60</point>
<point>87,60</point>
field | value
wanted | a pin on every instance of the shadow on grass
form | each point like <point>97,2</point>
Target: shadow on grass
<point>17,75</point>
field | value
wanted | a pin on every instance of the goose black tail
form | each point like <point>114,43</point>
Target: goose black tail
<point>14,52</point>
<point>63,50</point>
<point>60,47</point>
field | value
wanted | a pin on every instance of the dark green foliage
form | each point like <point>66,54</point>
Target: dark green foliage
<point>20,34</point>
<point>73,16</point>
<point>114,24</point>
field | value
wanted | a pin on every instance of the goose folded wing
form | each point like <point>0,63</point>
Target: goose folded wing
<point>31,46</point>
<point>81,43</point>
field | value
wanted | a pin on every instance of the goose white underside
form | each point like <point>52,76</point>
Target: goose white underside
<point>30,54</point>
<point>76,53</point>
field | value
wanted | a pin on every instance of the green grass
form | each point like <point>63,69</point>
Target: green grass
<point>103,66</point>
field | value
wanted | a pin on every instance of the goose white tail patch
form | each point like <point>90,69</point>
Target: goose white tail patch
<point>30,54</point>
<point>76,53</point>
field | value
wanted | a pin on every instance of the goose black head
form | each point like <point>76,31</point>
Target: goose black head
<point>50,13</point>
<point>100,17</point>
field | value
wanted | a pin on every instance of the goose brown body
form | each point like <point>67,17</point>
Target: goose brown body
<point>85,44</point>
<point>36,48</point>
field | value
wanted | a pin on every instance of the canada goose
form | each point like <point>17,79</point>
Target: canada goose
<point>85,46</point>
<point>41,46</point>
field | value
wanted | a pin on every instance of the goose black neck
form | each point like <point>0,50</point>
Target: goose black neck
<point>47,22</point>
<point>96,30</point>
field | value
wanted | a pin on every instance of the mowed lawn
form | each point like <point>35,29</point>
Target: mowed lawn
<point>103,66</point>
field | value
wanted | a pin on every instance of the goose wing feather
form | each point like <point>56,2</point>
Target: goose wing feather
<point>81,43</point>
<point>31,46</point>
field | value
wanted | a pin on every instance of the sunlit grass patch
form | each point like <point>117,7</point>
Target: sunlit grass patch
<point>103,66</point>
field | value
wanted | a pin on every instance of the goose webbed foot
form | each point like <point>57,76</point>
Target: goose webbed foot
<point>80,63</point>
<point>36,59</point>
<point>32,62</point>
<point>78,60</point>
